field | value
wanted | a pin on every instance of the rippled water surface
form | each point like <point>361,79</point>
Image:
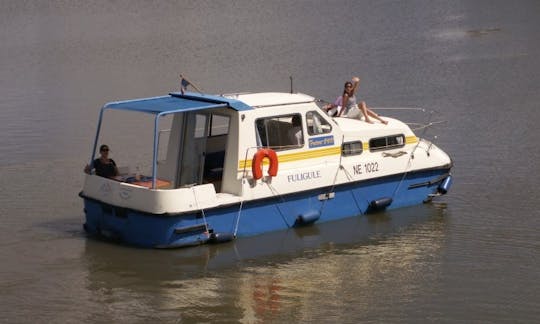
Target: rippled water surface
<point>472,256</point>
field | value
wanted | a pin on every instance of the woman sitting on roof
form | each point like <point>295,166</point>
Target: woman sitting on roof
<point>351,109</point>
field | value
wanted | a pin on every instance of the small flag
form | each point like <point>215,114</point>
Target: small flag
<point>183,84</point>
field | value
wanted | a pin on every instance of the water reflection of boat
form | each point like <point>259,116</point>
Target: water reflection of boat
<point>276,246</point>
<point>264,278</point>
<point>230,169</point>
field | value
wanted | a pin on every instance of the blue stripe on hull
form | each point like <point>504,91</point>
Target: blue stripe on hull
<point>256,217</point>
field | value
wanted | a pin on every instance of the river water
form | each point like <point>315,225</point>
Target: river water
<point>471,256</point>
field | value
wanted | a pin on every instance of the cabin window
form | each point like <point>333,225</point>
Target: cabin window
<point>219,125</point>
<point>164,134</point>
<point>316,124</point>
<point>280,132</point>
<point>352,148</point>
<point>200,126</point>
<point>386,142</point>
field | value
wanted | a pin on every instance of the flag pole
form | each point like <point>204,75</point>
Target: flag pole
<point>182,77</point>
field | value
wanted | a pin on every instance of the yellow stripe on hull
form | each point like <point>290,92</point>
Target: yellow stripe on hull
<point>411,139</point>
<point>311,154</point>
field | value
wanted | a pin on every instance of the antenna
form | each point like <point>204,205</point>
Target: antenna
<point>290,77</point>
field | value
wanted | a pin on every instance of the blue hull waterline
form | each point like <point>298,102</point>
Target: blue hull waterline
<point>257,217</point>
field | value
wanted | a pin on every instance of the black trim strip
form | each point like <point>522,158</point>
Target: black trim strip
<point>190,229</point>
<point>429,183</point>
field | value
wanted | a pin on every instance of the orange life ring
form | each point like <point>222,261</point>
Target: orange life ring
<point>256,164</point>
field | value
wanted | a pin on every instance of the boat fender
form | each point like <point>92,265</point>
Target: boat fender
<point>380,203</point>
<point>445,185</point>
<point>220,237</point>
<point>307,218</point>
<point>256,165</point>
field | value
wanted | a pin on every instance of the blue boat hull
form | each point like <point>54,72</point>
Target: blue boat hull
<point>265,215</point>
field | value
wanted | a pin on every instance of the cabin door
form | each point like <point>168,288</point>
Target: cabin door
<point>195,126</point>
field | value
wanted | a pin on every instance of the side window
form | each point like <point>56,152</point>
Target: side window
<point>164,134</point>
<point>351,148</point>
<point>386,142</point>
<point>200,126</point>
<point>280,132</point>
<point>316,124</point>
<point>219,125</point>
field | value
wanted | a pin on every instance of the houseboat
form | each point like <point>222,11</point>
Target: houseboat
<point>243,164</point>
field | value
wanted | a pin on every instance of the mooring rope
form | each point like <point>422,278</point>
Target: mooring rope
<point>276,193</point>
<point>340,166</point>
<point>411,156</point>
<point>202,209</point>
<point>238,218</point>
<point>244,178</point>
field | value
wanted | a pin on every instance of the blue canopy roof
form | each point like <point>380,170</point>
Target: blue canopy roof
<point>176,102</point>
